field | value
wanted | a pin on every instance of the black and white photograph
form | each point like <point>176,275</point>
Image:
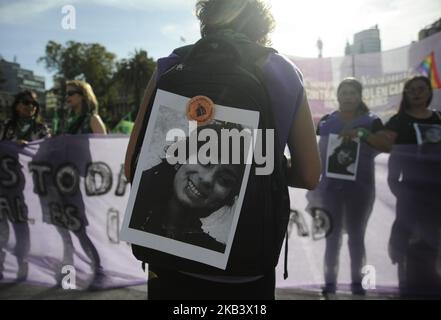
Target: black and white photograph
<point>342,158</point>
<point>190,208</point>
<point>428,133</point>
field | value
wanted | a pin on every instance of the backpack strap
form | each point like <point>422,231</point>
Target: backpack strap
<point>278,185</point>
<point>183,51</point>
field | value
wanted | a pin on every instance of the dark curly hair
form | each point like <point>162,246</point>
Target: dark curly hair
<point>20,97</point>
<point>252,18</point>
<point>405,104</point>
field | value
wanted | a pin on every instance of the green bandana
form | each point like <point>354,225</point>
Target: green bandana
<point>24,128</point>
<point>73,123</point>
<point>233,35</point>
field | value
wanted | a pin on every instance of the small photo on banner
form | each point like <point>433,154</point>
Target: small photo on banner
<point>342,158</point>
<point>190,181</point>
<point>428,133</point>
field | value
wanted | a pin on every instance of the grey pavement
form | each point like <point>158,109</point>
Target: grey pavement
<point>23,291</point>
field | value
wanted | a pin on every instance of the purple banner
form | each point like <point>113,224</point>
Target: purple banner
<point>402,234</point>
<point>382,74</point>
<point>61,205</point>
<point>62,201</point>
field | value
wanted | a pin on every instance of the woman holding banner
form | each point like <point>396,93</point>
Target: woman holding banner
<point>68,212</point>
<point>346,199</point>
<point>25,124</point>
<point>415,179</point>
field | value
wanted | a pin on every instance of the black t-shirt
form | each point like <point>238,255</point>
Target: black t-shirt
<point>402,124</point>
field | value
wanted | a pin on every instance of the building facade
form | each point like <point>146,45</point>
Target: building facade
<point>366,41</point>
<point>430,30</point>
<point>15,79</point>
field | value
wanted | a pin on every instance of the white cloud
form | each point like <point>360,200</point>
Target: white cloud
<point>169,29</point>
<point>146,5</point>
<point>301,23</point>
<point>188,32</point>
<point>15,11</point>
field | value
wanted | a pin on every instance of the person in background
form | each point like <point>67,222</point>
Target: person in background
<point>83,115</point>
<point>347,203</point>
<point>82,118</point>
<point>414,109</point>
<point>414,178</point>
<point>25,124</point>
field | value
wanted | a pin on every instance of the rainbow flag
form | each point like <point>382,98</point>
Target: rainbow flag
<point>429,69</point>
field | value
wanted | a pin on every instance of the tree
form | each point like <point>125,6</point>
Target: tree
<point>2,79</point>
<point>113,82</point>
<point>88,61</point>
<point>134,74</point>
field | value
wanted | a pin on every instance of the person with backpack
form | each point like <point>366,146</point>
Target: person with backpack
<point>347,203</point>
<point>234,33</point>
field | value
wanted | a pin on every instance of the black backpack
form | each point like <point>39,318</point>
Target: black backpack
<point>228,72</point>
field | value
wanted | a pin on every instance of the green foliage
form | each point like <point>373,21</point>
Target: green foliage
<point>90,61</point>
<point>114,82</point>
<point>134,73</point>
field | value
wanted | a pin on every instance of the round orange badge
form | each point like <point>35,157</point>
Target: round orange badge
<point>200,109</point>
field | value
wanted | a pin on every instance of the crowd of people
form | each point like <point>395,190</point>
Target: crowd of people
<point>415,236</point>
<point>26,123</point>
<point>345,192</point>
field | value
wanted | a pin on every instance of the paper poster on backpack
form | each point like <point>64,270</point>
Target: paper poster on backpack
<point>427,133</point>
<point>190,181</point>
<point>342,158</point>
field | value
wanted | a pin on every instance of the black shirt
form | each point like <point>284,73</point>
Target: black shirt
<point>402,124</point>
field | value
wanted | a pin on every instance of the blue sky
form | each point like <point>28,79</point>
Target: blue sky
<point>26,27</point>
<point>157,25</point>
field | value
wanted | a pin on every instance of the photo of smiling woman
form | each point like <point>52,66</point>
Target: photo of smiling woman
<point>342,161</point>
<point>172,199</point>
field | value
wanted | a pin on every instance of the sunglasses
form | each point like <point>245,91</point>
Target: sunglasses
<point>29,103</point>
<point>71,93</point>
<point>416,90</point>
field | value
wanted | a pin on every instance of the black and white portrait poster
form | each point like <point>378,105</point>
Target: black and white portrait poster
<point>190,180</point>
<point>427,133</point>
<point>342,158</point>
